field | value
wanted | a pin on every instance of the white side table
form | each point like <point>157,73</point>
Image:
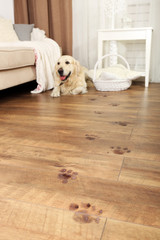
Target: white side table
<point>128,34</point>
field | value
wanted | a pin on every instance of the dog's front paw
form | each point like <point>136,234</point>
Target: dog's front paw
<point>55,94</point>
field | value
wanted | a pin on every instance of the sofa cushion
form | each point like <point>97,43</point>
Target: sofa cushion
<point>7,33</point>
<point>23,31</point>
<point>16,57</point>
<point>14,77</point>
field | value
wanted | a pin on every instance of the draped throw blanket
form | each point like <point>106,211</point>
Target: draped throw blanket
<point>47,52</point>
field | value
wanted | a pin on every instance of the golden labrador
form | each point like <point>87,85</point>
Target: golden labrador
<point>69,77</point>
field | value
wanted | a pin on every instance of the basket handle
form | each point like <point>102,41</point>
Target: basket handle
<point>108,55</point>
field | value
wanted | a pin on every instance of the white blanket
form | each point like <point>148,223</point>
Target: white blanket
<point>117,72</point>
<point>47,52</point>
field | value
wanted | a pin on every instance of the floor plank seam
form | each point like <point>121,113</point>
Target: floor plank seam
<point>120,170</point>
<point>131,133</point>
<point>134,124</point>
<point>104,227</point>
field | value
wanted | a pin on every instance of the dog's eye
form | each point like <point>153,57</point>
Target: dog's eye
<point>67,62</point>
<point>58,63</point>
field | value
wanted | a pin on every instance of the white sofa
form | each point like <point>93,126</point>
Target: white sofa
<point>26,54</point>
<point>17,66</point>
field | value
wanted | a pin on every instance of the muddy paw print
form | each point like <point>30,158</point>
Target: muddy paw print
<point>119,150</point>
<point>114,104</point>
<point>90,136</point>
<point>124,124</point>
<point>65,175</point>
<point>85,213</point>
<point>98,112</point>
<point>92,99</point>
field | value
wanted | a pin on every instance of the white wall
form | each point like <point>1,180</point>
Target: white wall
<point>7,9</point>
<point>142,12</point>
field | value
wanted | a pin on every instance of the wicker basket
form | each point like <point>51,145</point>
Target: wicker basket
<point>111,85</point>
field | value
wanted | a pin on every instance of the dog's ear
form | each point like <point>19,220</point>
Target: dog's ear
<point>77,67</point>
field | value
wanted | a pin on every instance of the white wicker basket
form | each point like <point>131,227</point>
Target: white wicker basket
<point>111,85</point>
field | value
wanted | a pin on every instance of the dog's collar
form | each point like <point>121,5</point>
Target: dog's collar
<point>63,81</point>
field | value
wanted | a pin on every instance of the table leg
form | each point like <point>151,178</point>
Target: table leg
<point>148,55</point>
<point>100,51</point>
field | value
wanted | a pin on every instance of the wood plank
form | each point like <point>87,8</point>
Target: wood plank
<point>140,171</point>
<point>145,138</point>
<point>149,130</point>
<point>126,231</point>
<point>111,124</point>
<point>106,167</point>
<point>89,142</point>
<point>20,219</point>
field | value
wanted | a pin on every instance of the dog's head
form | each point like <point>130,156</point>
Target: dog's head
<point>66,66</point>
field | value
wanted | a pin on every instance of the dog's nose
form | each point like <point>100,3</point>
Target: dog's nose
<point>60,71</point>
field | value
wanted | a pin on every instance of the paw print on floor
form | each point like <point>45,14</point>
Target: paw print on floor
<point>85,213</point>
<point>92,99</point>
<point>65,175</point>
<point>98,112</point>
<point>90,136</point>
<point>114,104</point>
<point>124,124</point>
<point>119,150</point>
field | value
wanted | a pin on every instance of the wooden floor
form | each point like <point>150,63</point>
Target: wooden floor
<point>83,167</point>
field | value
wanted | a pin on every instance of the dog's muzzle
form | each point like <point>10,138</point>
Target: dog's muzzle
<point>60,71</point>
<point>63,77</point>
